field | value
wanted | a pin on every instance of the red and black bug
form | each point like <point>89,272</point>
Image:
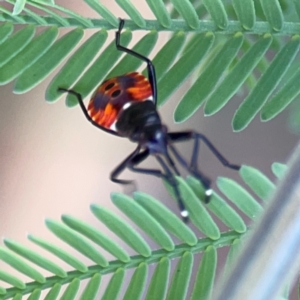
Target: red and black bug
<point>126,106</point>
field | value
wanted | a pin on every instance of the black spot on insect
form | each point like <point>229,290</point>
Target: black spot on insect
<point>109,86</point>
<point>116,93</point>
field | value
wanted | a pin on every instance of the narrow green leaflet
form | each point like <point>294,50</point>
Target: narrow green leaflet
<point>19,264</point>
<point>97,237</point>
<point>76,241</point>
<point>16,43</point>
<point>28,56</point>
<point>91,290</point>
<point>71,290</point>
<point>115,284</point>
<point>18,7</point>
<point>187,11</point>
<point>217,12</point>
<point>166,218</point>
<point>245,12</point>
<point>59,252</point>
<point>98,70</point>
<point>160,11</point>
<point>180,71</point>
<point>76,65</point>
<point>132,12</point>
<point>17,297</point>
<point>204,282</point>
<point>48,62</point>
<point>282,99</point>
<point>234,250</point>
<point>53,293</point>
<point>35,258</point>
<point>138,215</point>
<point>273,13</point>
<point>35,295</point>
<point>137,283</point>
<point>237,75</point>
<point>159,283</point>
<point>197,212</point>
<point>181,277</point>
<point>240,197</point>
<point>166,56</point>
<point>279,169</point>
<point>12,280</point>
<point>103,12</point>
<point>129,63</point>
<point>267,83</point>
<point>122,229</point>
<point>5,31</point>
<point>2,291</point>
<point>219,207</point>
<point>208,79</point>
<point>257,181</point>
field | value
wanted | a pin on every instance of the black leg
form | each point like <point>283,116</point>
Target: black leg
<point>192,167</point>
<point>150,66</point>
<point>80,101</point>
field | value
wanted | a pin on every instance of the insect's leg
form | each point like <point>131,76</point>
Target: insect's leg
<point>188,135</point>
<point>170,178</point>
<point>150,66</point>
<point>122,166</point>
<point>197,137</point>
<point>83,108</point>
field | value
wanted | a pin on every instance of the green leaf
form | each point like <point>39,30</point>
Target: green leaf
<point>207,81</point>
<point>160,11</point>
<point>137,283</point>
<point>268,81</point>
<point>76,65</point>
<point>5,31</point>
<point>132,12</point>
<point>187,11</point>
<point>16,43</point>
<point>35,258</point>
<point>53,293</point>
<point>217,11</point>
<point>20,265</point>
<point>103,12</point>
<point>192,57</point>
<point>204,282</point>
<point>76,241</point>
<point>121,229</point>
<point>282,99</point>
<point>159,283</point>
<point>237,75</point>
<point>166,218</point>
<point>47,62</point>
<point>12,280</point>
<point>240,197</point>
<point>35,295</point>
<point>115,284</point>
<point>97,71</point>
<point>279,169</point>
<point>62,254</point>
<point>71,290</point>
<point>245,11</point>
<point>166,56</point>
<point>18,7</point>
<point>257,181</point>
<point>90,291</point>
<point>97,237</point>
<point>138,215</point>
<point>219,207</point>
<point>28,56</point>
<point>181,277</point>
<point>273,13</point>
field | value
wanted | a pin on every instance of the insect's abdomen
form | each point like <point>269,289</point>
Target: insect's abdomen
<point>111,96</point>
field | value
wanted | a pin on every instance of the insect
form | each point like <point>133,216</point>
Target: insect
<point>126,107</point>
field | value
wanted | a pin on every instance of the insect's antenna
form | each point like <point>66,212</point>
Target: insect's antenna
<point>171,179</point>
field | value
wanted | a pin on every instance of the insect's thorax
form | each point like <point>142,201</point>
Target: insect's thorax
<point>140,122</point>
